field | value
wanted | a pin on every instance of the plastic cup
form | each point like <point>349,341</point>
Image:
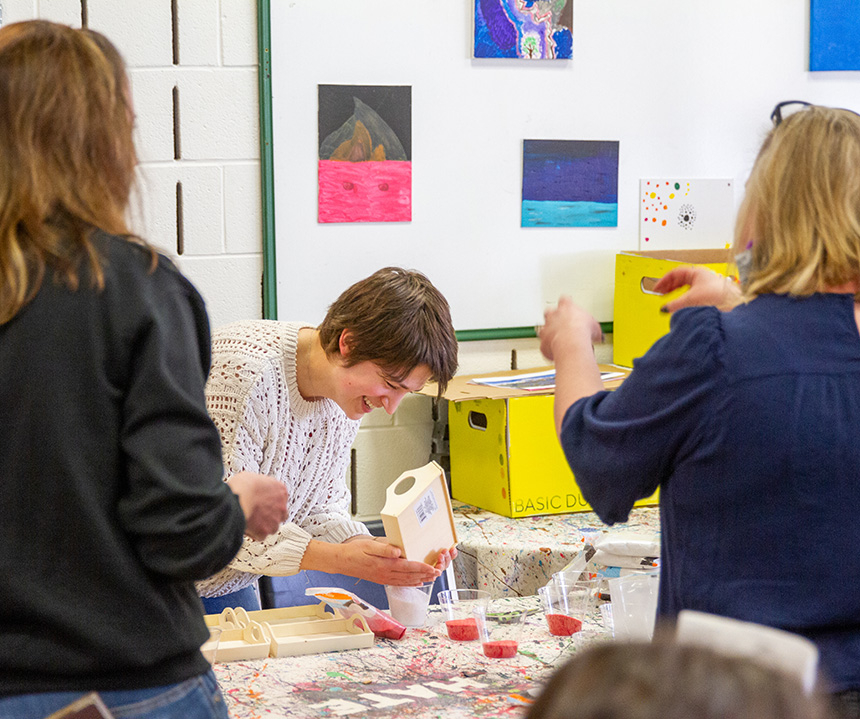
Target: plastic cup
<point>408,605</point>
<point>606,617</point>
<point>581,590</point>
<point>209,648</point>
<point>561,619</point>
<point>634,606</point>
<point>459,606</point>
<point>499,632</point>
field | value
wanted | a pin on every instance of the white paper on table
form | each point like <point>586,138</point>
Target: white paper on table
<point>532,381</point>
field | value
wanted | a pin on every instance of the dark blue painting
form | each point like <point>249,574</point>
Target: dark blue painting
<point>530,29</point>
<point>834,35</point>
<point>570,183</point>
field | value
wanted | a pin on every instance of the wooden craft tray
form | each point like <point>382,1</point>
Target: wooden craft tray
<point>235,618</point>
<point>322,635</point>
<point>287,631</point>
<point>251,642</point>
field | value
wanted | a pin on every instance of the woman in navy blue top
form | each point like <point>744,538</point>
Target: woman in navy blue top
<point>748,420</point>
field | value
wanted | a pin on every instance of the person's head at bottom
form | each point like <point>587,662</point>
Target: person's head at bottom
<point>667,680</point>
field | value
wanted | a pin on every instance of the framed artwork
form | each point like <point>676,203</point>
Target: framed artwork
<point>365,145</point>
<point>834,35</point>
<point>676,214</point>
<point>570,183</point>
<point>528,29</point>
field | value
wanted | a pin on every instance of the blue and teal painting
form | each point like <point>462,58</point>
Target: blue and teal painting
<point>529,29</point>
<point>570,183</point>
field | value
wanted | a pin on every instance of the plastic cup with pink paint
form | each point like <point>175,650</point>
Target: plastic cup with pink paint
<point>568,600</point>
<point>499,631</point>
<point>561,618</point>
<point>458,607</point>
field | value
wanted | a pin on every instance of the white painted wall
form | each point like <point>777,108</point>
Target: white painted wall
<point>219,168</point>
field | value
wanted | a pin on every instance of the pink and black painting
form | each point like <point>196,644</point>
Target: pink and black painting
<point>365,150</point>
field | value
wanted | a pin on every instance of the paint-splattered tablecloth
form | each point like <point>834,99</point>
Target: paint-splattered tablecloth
<point>425,675</point>
<point>513,557</point>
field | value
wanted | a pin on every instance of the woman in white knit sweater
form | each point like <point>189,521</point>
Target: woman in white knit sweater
<point>288,398</point>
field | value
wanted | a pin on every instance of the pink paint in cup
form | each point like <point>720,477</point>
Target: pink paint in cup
<point>500,632</point>
<point>459,607</point>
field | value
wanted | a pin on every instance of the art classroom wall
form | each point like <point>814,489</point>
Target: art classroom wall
<point>685,88</point>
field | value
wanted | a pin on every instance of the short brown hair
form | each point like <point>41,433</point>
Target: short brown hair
<point>396,319</point>
<point>667,680</point>
<point>801,209</point>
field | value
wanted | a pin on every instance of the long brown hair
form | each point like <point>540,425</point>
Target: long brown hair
<point>67,157</point>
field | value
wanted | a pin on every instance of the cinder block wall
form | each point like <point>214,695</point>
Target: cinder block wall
<point>193,72</point>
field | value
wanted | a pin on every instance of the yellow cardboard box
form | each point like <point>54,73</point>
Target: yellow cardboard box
<point>638,322</point>
<point>505,456</point>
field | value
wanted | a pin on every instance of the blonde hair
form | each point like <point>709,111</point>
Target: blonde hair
<point>801,212</point>
<point>67,157</point>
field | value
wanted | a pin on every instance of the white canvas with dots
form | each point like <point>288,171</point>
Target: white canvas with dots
<point>677,214</point>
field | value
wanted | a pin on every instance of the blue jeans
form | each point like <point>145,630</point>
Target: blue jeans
<point>246,598</point>
<point>196,698</point>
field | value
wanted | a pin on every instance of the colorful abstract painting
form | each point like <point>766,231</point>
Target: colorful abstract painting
<point>834,35</point>
<point>365,147</point>
<point>570,183</point>
<point>530,29</point>
<point>677,214</point>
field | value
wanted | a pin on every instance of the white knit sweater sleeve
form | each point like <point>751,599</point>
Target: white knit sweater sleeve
<point>267,427</point>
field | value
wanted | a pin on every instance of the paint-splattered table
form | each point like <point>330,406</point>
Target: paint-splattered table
<point>423,676</point>
<point>513,557</point>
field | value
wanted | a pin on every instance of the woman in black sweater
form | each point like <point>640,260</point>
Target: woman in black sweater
<point>110,468</point>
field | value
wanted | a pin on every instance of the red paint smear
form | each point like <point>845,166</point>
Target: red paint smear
<point>353,191</point>
<point>500,650</point>
<point>560,625</point>
<point>462,630</point>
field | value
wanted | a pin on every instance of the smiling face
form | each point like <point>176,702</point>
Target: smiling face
<point>366,386</point>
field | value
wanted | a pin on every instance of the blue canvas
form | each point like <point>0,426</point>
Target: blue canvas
<point>834,35</point>
<point>570,183</point>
